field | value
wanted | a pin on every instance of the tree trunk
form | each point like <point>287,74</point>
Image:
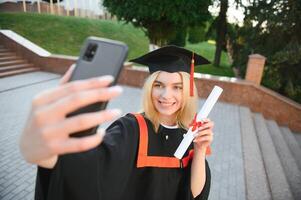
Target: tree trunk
<point>221,30</point>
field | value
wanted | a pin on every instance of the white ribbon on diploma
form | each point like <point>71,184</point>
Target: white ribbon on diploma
<point>202,114</point>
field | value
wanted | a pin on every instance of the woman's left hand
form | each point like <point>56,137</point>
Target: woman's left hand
<point>204,137</point>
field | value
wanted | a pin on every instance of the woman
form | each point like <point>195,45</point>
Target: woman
<point>135,158</point>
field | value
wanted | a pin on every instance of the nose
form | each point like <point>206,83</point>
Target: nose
<point>166,93</point>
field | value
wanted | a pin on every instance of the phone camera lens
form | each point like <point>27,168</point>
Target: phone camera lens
<point>90,52</point>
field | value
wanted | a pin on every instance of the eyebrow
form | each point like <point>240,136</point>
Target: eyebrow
<point>179,83</point>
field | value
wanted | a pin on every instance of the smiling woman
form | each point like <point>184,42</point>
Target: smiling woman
<point>134,160</point>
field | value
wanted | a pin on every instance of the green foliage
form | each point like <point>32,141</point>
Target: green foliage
<point>160,19</point>
<point>211,30</point>
<point>272,28</point>
<point>197,34</point>
<point>211,33</point>
<point>179,38</point>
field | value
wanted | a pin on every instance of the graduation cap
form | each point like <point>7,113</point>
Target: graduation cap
<point>172,59</point>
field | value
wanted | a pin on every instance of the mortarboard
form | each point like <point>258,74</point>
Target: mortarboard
<point>172,59</point>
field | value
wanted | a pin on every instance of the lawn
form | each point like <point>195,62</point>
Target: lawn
<point>65,35</point>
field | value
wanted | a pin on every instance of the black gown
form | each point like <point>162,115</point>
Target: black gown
<point>109,172</point>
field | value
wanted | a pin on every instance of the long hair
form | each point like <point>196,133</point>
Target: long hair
<point>187,110</point>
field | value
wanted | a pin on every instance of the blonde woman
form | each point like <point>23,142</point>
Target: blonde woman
<point>134,160</point>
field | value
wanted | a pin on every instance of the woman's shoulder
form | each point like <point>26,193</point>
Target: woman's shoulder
<point>129,120</point>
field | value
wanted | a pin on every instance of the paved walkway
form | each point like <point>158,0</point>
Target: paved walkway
<point>17,178</point>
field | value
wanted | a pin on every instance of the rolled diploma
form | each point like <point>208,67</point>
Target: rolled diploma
<point>202,114</point>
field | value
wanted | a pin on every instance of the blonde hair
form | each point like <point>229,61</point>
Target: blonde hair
<point>189,104</point>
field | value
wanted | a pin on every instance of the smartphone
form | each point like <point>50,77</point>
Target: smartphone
<point>98,57</point>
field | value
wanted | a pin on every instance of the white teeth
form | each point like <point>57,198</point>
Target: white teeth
<point>167,103</point>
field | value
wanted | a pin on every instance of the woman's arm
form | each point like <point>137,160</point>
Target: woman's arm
<point>46,134</point>
<point>198,166</point>
<point>198,172</point>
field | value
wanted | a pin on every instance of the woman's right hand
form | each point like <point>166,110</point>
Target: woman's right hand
<point>47,131</point>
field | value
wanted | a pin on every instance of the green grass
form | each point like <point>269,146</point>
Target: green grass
<point>65,35</point>
<point>207,50</point>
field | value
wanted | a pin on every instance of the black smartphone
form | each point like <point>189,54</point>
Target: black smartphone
<point>98,57</point>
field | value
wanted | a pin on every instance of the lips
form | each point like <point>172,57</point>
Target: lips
<point>166,103</point>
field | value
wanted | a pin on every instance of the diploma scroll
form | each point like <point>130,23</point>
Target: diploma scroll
<point>202,114</point>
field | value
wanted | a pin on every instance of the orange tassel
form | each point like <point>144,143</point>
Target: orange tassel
<point>192,75</point>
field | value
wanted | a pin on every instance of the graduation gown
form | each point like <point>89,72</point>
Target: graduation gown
<point>110,172</point>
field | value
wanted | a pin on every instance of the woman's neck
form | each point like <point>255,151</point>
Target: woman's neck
<point>168,120</point>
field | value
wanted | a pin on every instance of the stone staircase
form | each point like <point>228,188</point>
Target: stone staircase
<point>272,158</point>
<point>252,158</point>
<point>11,64</point>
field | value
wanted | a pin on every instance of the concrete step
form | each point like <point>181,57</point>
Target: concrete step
<point>3,50</point>
<point>256,180</point>
<point>298,138</point>
<point>11,82</point>
<point>226,161</point>
<point>9,58</point>
<point>13,62</point>
<point>20,71</point>
<point>288,161</point>
<point>293,144</point>
<point>7,54</point>
<point>280,188</point>
<point>15,67</point>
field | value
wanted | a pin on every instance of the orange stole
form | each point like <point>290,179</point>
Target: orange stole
<point>143,160</point>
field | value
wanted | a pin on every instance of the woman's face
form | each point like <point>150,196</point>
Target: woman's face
<point>167,93</point>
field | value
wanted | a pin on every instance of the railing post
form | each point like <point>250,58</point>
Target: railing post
<point>75,8</point>
<point>255,68</point>
<point>67,7</point>
<point>39,6</point>
<point>24,6</point>
<point>89,9</point>
<point>58,7</point>
<point>51,7</point>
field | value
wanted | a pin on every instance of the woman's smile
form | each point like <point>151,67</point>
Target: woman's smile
<point>166,103</point>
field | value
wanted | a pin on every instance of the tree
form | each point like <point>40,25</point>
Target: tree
<point>272,28</point>
<point>160,19</point>
<point>219,28</point>
<point>221,31</point>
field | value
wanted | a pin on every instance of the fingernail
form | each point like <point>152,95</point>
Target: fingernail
<point>116,88</point>
<point>106,78</point>
<point>101,132</point>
